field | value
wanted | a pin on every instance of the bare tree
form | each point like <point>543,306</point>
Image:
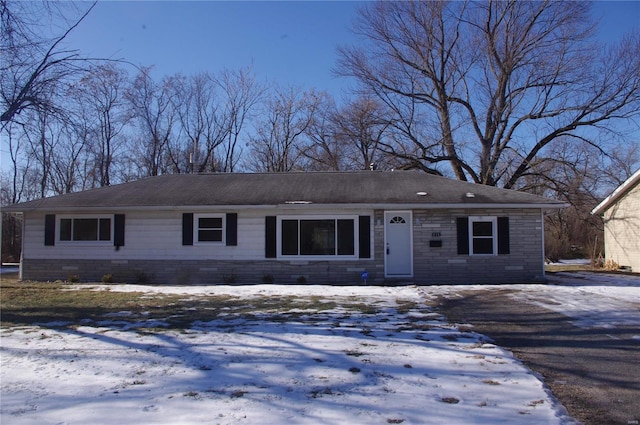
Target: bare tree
<point>14,187</point>
<point>362,124</point>
<point>12,190</point>
<point>575,174</point>
<point>242,94</point>
<point>280,136</point>
<point>571,232</point>
<point>11,237</point>
<point>32,61</point>
<point>500,81</point>
<point>203,122</point>
<point>325,151</point>
<point>41,147</point>
<point>623,160</point>
<point>101,98</point>
<point>154,112</point>
<point>347,137</point>
<point>69,170</point>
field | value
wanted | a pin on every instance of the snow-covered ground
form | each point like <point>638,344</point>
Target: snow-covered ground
<point>404,364</point>
<point>9,269</point>
<point>592,300</point>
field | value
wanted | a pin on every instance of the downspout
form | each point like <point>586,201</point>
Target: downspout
<point>20,268</point>
<point>22,248</point>
<point>542,231</point>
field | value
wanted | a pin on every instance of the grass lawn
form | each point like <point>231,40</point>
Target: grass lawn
<point>28,303</point>
<point>555,268</point>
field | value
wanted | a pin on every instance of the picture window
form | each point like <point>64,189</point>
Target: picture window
<point>85,229</point>
<point>318,237</point>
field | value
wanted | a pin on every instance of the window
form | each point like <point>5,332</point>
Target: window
<point>210,229</point>
<point>483,236</point>
<point>318,237</point>
<point>85,229</point>
<point>480,235</point>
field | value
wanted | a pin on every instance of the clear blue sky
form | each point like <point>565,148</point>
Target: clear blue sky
<point>290,42</point>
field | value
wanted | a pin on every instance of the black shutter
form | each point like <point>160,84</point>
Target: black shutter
<point>187,229</point>
<point>270,245</point>
<point>462,224</point>
<point>364,236</point>
<point>503,235</point>
<point>50,230</point>
<point>232,229</point>
<point>118,230</point>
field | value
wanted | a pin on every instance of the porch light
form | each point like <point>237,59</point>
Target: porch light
<point>421,193</point>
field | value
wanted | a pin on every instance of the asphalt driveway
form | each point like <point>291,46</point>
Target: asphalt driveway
<point>595,373</point>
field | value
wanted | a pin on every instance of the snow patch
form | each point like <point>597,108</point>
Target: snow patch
<point>332,367</point>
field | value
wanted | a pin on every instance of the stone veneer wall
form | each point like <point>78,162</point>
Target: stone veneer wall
<point>187,272</point>
<point>434,265</point>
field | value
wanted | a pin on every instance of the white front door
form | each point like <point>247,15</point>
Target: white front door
<point>398,259</point>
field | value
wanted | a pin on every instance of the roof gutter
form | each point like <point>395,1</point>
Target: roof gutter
<point>295,206</point>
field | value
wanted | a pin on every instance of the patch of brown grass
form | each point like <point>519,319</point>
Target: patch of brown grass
<point>556,268</point>
<point>28,303</point>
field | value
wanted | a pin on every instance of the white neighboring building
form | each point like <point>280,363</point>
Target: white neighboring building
<point>621,214</point>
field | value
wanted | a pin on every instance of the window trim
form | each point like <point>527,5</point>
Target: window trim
<point>335,218</point>
<point>196,228</point>
<point>72,217</point>
<point>494,234</point>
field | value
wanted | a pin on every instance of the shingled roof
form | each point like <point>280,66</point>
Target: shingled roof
<point>408,189</point>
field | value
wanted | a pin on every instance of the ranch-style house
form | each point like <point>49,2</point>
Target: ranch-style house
<point>370,227</point>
